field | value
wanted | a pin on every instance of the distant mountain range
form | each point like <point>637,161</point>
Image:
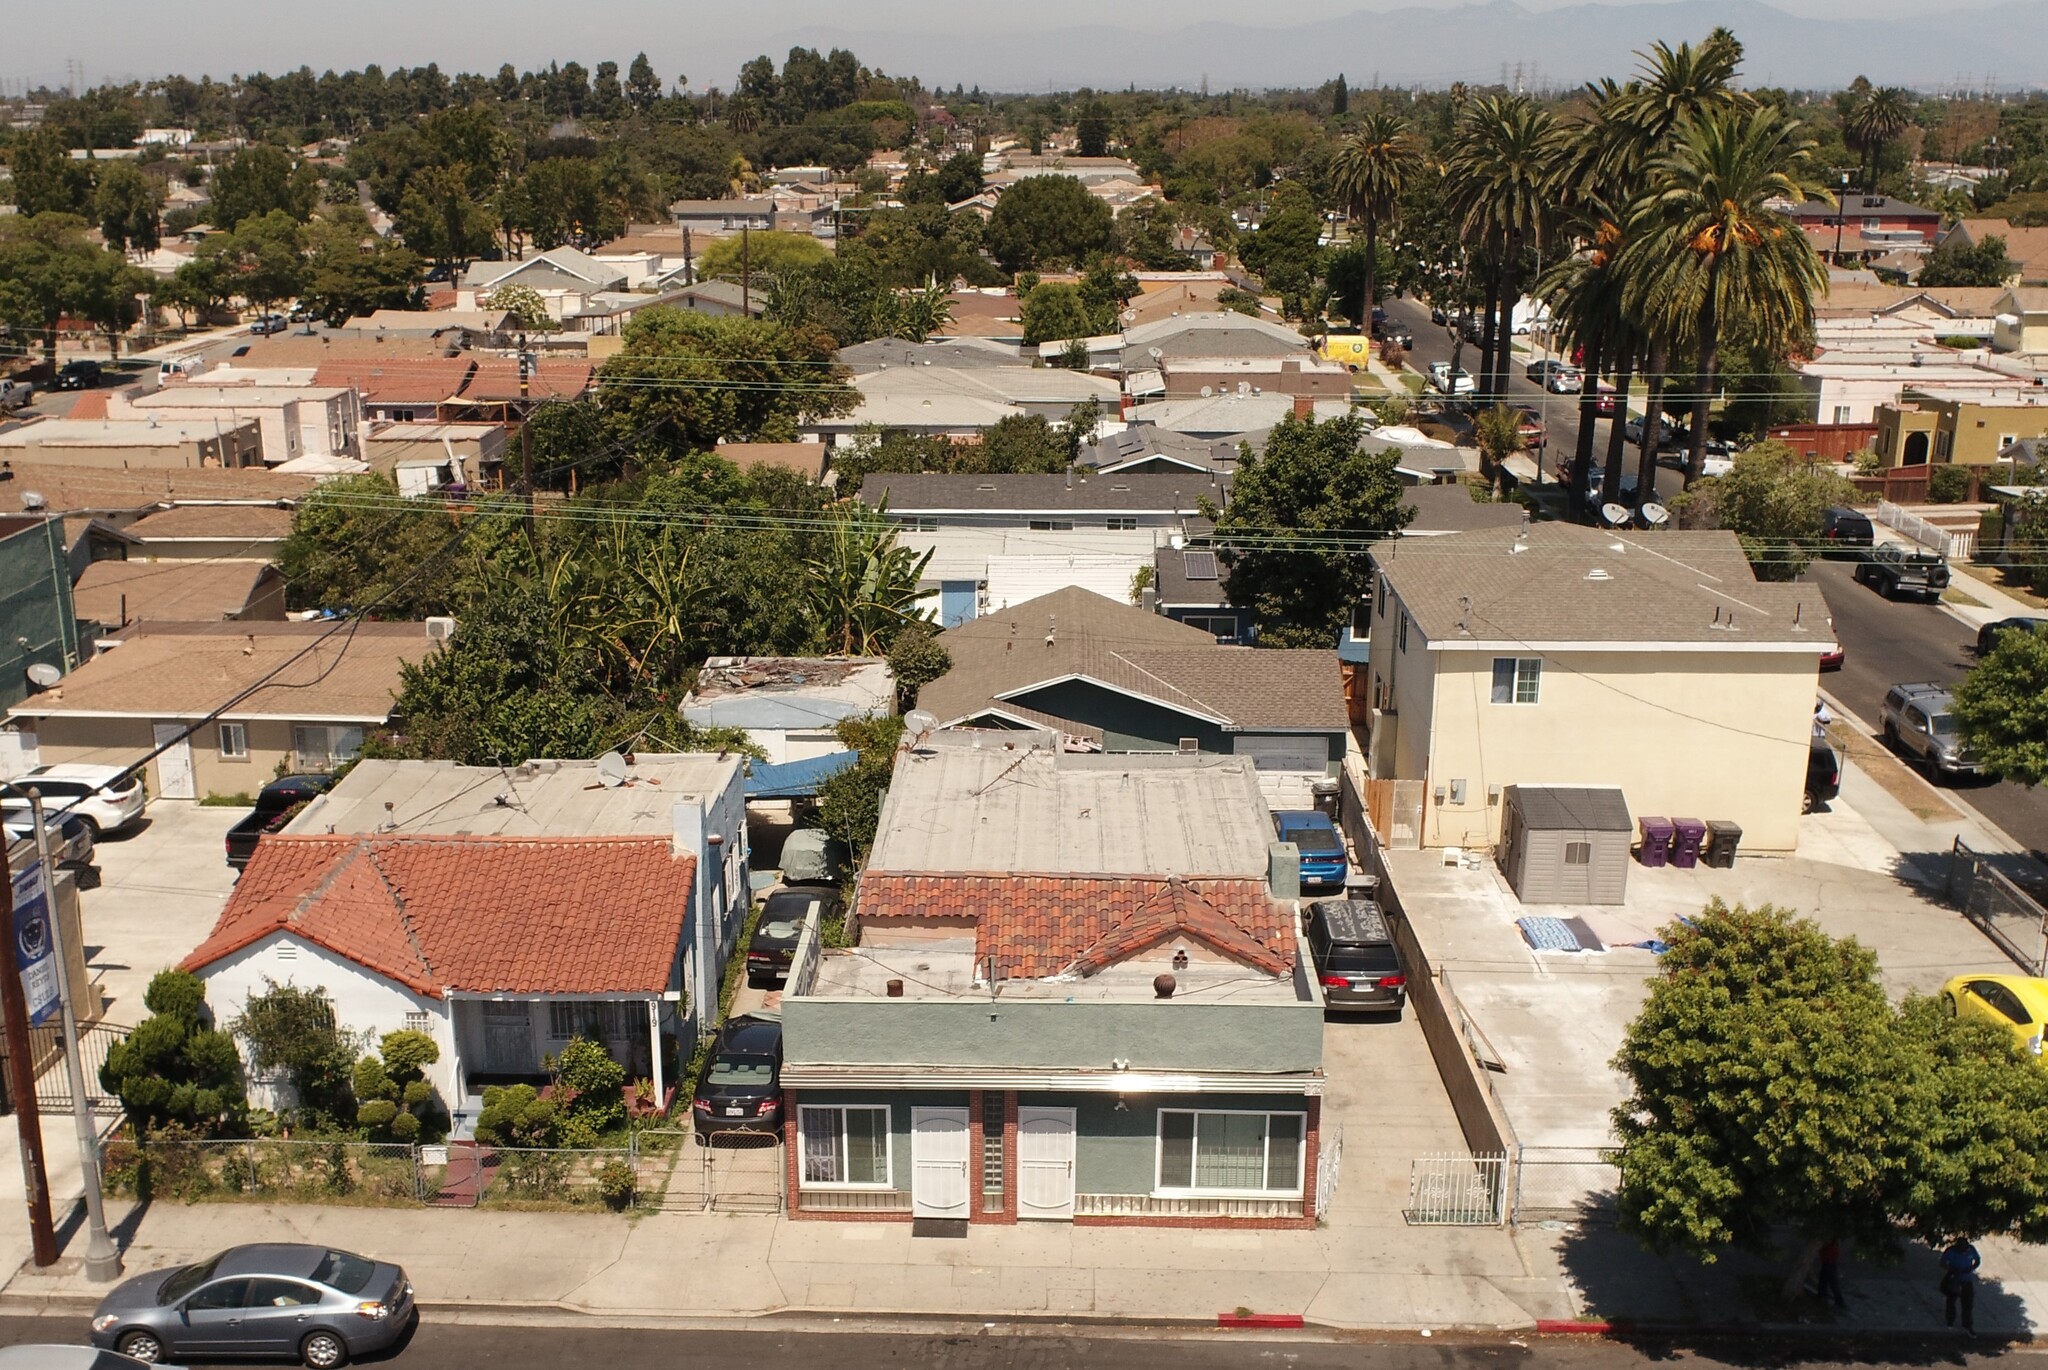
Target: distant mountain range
<point>1414,46</point>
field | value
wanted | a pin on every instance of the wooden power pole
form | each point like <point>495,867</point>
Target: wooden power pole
<point>21,1079</point>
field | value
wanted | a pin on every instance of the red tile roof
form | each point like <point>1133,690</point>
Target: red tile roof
<point>496,381</point>
<point>1037,925</point>
<point>398,380</point>
<point>586,915</point>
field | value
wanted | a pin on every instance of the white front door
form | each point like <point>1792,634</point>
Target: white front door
<point>1045,1162</point>
<point>938,1162</point>
<point>174,762</point>
<point>508,1039</point>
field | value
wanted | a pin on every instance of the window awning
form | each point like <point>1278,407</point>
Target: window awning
<point>796,779</point>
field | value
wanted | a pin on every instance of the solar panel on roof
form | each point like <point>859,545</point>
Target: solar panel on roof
<point>1199,565</point>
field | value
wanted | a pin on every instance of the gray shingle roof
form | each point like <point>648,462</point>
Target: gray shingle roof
<point>1553,808</point>
<point>1006,653</point>
<point>1448,508</point>
<point>1569,585</point>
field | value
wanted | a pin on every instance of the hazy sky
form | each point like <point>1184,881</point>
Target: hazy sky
<point>1022,46</point>
<point>125,40</point>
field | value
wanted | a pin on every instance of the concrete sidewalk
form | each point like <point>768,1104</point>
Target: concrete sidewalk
<point>1346,1277</point>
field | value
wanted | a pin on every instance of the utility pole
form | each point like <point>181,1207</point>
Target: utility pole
<point>1841,217</point>
<point>526,433</point>
<point>102,1257</point>
<point>746,274</point>
<point>21,1082</point>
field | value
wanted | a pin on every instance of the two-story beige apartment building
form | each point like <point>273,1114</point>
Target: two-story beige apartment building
<point>1559,655</point>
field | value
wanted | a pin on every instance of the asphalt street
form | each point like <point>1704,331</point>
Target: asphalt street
<point>1434,343</point>
<point>1888,642</point>
<point>453,1346</point>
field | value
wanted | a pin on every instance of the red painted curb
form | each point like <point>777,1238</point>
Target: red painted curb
<point>1591,1329</point>
<point>1259,1320</point>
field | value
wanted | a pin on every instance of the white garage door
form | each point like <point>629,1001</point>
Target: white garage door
<point>1287,764</point>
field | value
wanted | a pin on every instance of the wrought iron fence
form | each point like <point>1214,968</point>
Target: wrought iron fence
<point>1572,1182</point>
<point>2009,916</point>
<point>48,1047</point>
<point>1457,1190</point>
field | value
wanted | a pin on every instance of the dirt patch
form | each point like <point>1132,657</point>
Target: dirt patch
<point>1897,778</point>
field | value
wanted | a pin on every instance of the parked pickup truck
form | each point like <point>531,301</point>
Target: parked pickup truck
<point>1893,571</point>
<point>276,805</point>
<point>1918,725</point>
<point>15,394</point>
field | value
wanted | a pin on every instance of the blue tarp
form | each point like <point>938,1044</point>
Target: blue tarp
<point>796,779</point>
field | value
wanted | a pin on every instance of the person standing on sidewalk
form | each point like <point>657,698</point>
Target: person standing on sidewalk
<point>1829,1286</point>
<point>1959,1282</point>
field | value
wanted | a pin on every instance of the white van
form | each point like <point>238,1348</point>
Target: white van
<point>179,368</point>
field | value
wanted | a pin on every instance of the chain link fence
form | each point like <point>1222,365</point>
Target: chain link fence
<point>1576,1183</point>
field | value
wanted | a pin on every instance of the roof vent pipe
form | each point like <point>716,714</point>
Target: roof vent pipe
<point>1163,986</point>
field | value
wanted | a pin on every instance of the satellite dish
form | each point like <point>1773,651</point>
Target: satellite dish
<point>1617,515</point>
<point>1655,515</point>
<point>611,770</point>
<point>43,675</point>
<point>918,726</point>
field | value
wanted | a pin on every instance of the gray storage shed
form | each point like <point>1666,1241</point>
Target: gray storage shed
<point>1566,844</point>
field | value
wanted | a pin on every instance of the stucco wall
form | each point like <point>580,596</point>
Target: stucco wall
<point>363,1002</point>
<point>1695,734</point>
<point>116,741</point>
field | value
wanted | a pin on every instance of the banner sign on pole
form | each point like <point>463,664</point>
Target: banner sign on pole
<point>35,948</point>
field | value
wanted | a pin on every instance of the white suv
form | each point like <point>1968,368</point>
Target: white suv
<point>107,798</point>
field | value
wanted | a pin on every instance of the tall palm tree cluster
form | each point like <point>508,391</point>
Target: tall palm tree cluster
<point>1647,220</point>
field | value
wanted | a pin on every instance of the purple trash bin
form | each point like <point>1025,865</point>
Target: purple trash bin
<point>1656,846</point>
<point>1685,843</point>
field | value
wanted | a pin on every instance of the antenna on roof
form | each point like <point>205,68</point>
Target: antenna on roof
<point>611,770</point>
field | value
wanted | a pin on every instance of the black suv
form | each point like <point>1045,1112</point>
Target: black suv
<point>1988,635</point>
<point>81,376</point>
<point>1353,949</point>
<point>1847,532</point>
<point>773,944</point>
<point>742,1086</point>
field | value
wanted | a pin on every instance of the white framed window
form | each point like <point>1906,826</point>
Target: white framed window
<point>1517,679</point>
<point>325,746</point>
<point>1404,630</point>
<point>1120,524</point>
<point>1225,1153</point>
<point>418,1021</point>
<point>604,1022</point>
<point>234,742</point>
<point>1222,625</point>
<point>1578,853</point>
<point>1841,413</point>
<point>1052,525</point>
<point>921,523</point>
<point>846,1147</point>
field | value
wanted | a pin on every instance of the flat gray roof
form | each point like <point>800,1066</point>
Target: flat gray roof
<point>948,968</point>
<point>534,799</point>
<point>994,808</point>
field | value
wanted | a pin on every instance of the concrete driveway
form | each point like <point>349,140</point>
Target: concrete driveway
<point>162,886</point>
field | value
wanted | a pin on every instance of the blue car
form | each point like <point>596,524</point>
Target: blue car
<point>1322,846</point>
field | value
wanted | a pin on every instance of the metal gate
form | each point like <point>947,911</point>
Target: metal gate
<point>2007,914</point>
<point>47,1048</point>
<point>738,1172</point>
<point>1568,1182</point>
<point>1457,1190</point>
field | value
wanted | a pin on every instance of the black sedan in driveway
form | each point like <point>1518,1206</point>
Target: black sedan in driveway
<point>742,1086</point>
<point>773,945</point>
<point>307,1303</point>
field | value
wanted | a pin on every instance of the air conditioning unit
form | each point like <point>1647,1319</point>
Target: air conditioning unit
<point>440,629</point>
<point>1190,745</point>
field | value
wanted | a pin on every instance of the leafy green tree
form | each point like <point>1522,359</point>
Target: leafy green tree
<point>516,1115</point>
<point>1774,1087</point>
<point>762,254</point>
<point>525,306</point>
<point>850,802</point>
<point>959,177</point>
<point>267,256</point>
<point>643,87</point>
<point>107,293</point>
<point>261,180</point>
<point>1310,486</point>
<point>398,1103</point>
<point>1286,251</point>
<point>1774,500</point>
<point>863,585</point>
<point>1057,311</point>
<point>1978,264</point>
<point>1022,444</point>
<point>129,207</point>
<point>565,200</point>
<point>1501,174</point>
<point>916,659</point>
<point>1047,221</point>
<point>921,245</point>
<point>589,1084</point>
<point>351,272</point>
<point>176,1068</point>
<point>53,270</point>
<point>440,217</point>
<point>1497,432</point>
<point>1371,171</point>
<point>46,179</point>
<point>293,1033</point>
<point>1091,130</point>
<point>690,380</point>
<point>2002,707</point>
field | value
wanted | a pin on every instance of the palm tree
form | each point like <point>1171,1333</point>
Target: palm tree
<point>1873,125</point>
<point>1504,160</point>
<point>1584,295</point>
<point>1371,170</point>
<point>1709,256</point>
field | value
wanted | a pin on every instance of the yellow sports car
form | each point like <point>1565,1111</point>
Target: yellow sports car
<point>2017,1003</point>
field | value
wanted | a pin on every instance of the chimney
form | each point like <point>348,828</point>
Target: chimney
<point>687,818</point>
<point>1304,406</point>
